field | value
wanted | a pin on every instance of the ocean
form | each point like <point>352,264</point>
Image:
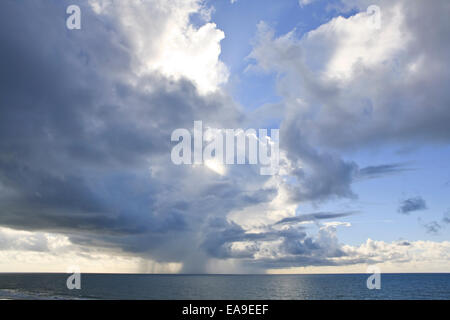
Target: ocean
<point>224,287</point>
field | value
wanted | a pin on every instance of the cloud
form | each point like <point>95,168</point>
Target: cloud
<point>177,48</point>
<point>343,89</point>
<point>347,85</point>
<point>446,218</point>
<point>274,246</point>
<point>314,216</point>
<point>432,227</point>
<point>23,241</point>
<point>17,255</point>
<point>390,257</point>
<point>86,140</point>
<point>22,251</point>
<point>412,204</point>
<point>332,100</point>
<point>285,243</point>
<point>85,148</point>
<point>435,227</point>
<point>416,252</point>
<point>297,249</point>
<point>382,170</point>
<point>320,173</point>
<point>305,2</point>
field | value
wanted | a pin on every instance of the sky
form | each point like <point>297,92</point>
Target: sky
<point>360,98</point>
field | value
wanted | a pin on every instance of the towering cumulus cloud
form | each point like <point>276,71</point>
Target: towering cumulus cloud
<point>86,119</point>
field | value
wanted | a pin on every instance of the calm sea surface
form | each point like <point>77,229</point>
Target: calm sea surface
<point>215,287</point>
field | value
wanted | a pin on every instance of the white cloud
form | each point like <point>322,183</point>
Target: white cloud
<point>349,72</point>
<point>25,251</point>
<point>163,39</point>
<point>353,43</point>
<point>405,256</point>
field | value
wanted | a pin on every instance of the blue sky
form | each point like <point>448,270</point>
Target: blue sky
<point>239,22</point>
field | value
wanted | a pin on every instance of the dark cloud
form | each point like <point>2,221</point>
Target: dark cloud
<point>382,170</point>
<point>432,227</point>
<point>412,204</point>
<point>314,216</point>
<point>86,153</point>
<point>446,218</point>
<point>320,175</point>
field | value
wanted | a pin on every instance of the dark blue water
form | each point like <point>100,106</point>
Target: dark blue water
<point>217,287</point>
